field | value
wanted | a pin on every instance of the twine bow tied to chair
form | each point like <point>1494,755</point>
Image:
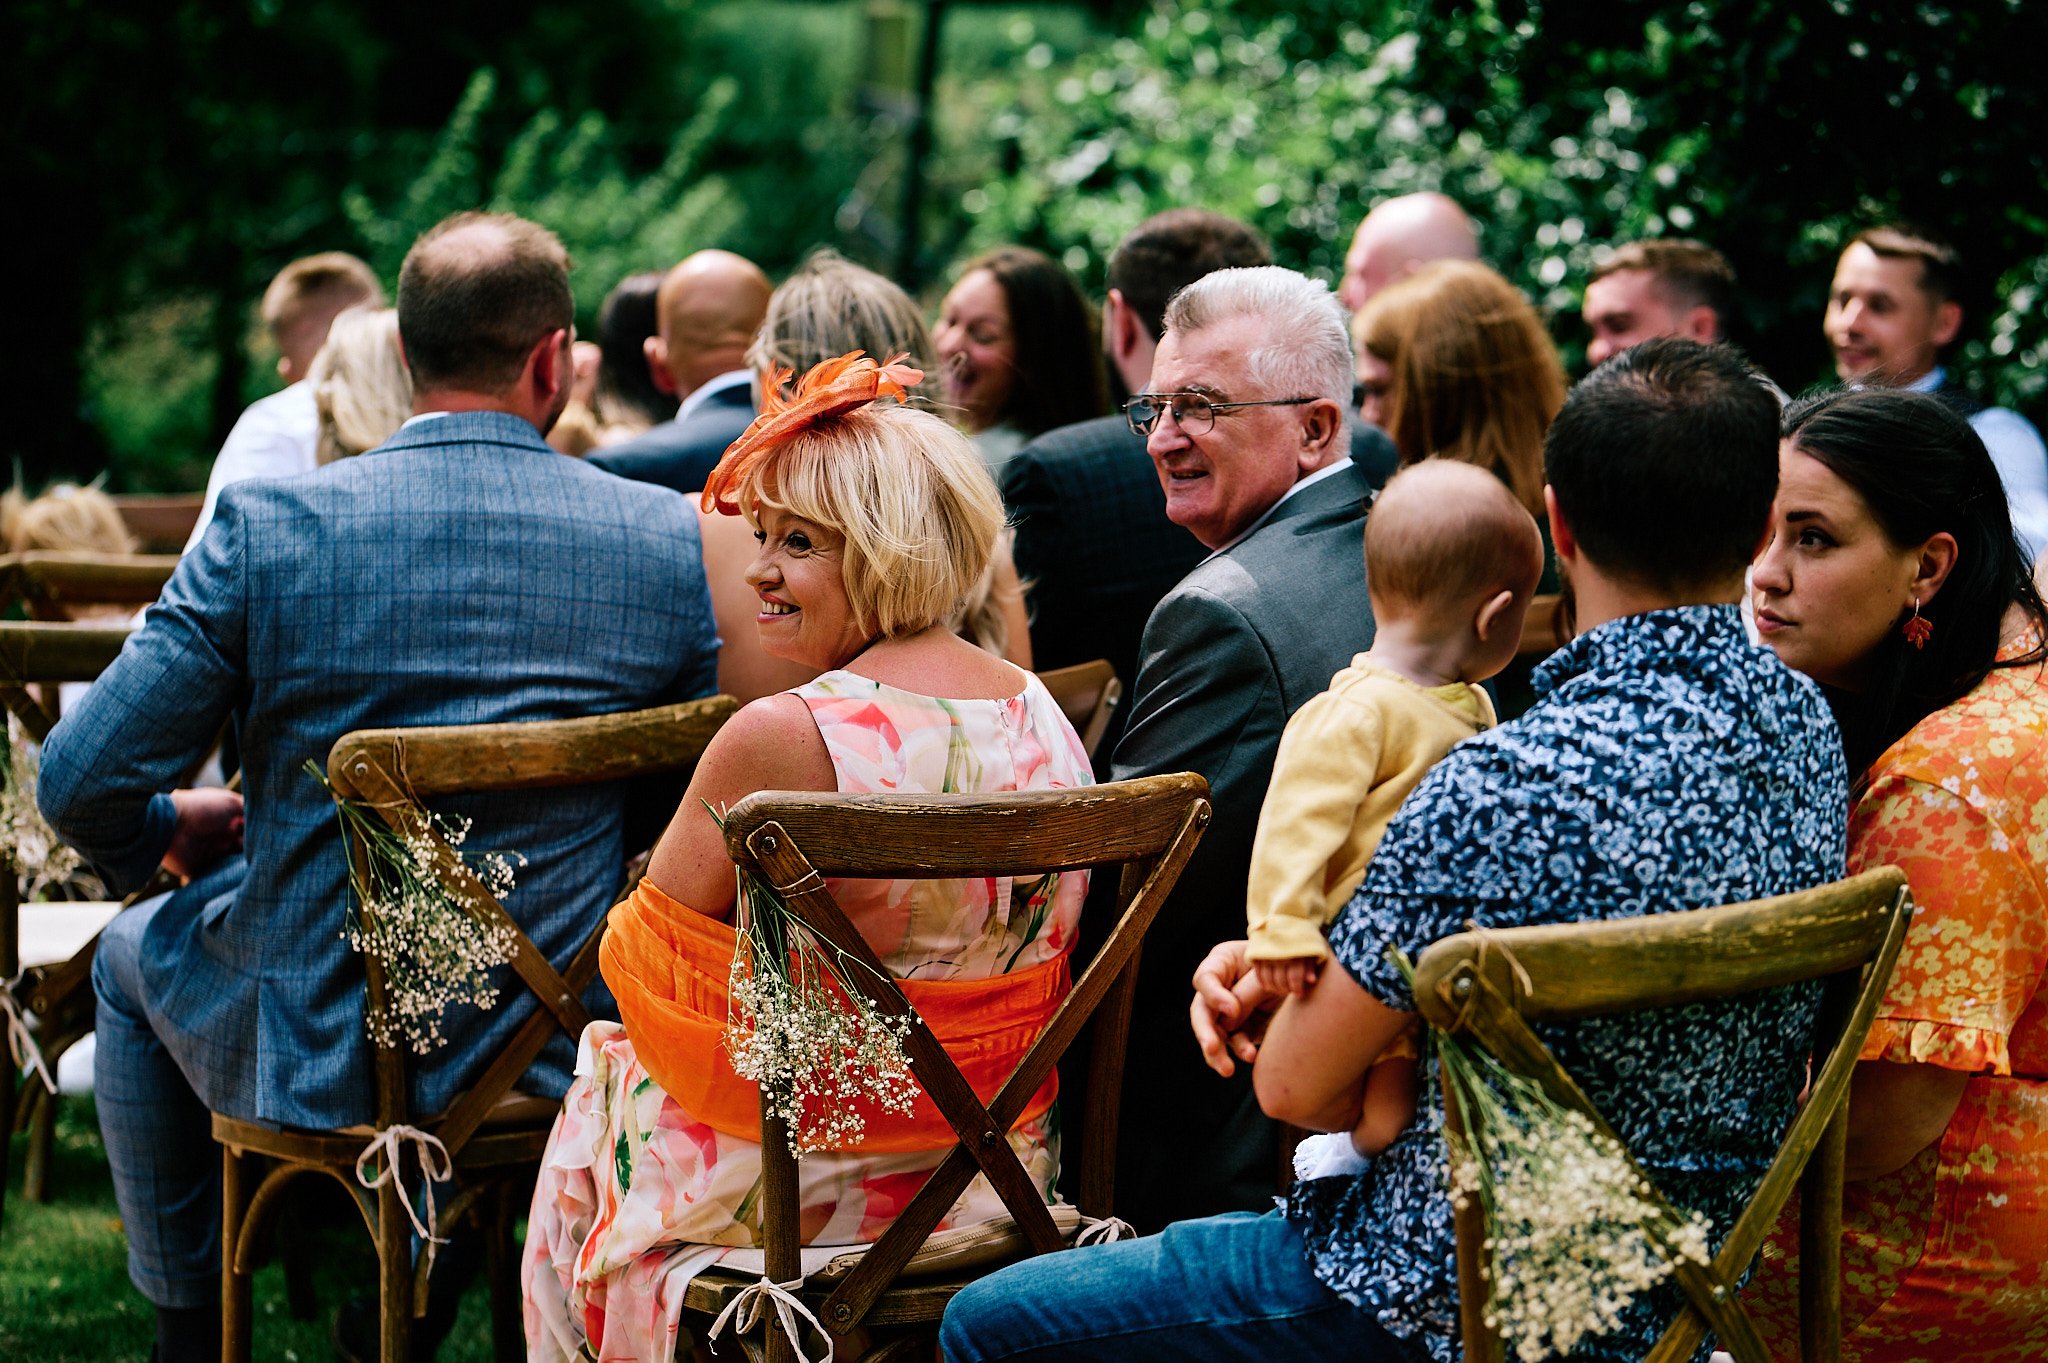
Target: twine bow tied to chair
<point>21,1041</point>
<point>743,1313</point>
<point>435,1163</point>
<point>1104,1231</point>
<point>1522,985</point>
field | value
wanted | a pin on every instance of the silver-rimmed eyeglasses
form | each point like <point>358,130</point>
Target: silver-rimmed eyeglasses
<point>1192,412</point>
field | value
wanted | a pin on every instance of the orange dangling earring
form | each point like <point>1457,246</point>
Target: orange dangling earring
<point>1917,630</point>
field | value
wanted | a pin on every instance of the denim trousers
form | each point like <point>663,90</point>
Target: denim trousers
<point>159,1136</point>
<point>1221,1288</point>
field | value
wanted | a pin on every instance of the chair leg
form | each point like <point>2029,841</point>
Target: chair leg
<point>501,1263</point>
<point>42,1139</point>
<point>235,1314</point>
<point>394,1274</point>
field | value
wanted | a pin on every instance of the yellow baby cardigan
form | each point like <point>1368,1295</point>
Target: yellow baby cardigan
<point>1346,761</point>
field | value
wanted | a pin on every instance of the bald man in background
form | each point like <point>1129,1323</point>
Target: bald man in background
<point>1400,236</point>
<point>708,310</point>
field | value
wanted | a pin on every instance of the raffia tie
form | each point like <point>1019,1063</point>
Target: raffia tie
<point>1489,940</point>
<point>435,1163</point>
<point>21,1041</point>
<point>1104,1231</point>
<point>743,1313</point>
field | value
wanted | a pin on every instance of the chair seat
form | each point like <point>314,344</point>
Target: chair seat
<point>918,1301</point>
<point>514,1131</point>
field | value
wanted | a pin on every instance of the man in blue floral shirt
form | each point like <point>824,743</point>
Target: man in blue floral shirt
<point>1668,764</point>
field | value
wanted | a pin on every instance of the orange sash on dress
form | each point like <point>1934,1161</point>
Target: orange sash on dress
<point>667,966</point>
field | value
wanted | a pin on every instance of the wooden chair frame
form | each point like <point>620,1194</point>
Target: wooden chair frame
<point>1149,826</point>
<point>494,1136</point>
<point>1087,694</point>
<point>48,582</point>
<point>57,995</point>
<point>162,523</point>
<point>1489,987</point>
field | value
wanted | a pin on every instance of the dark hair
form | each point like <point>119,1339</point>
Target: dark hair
<point>625,320</point>
<point>1941,268</point>
<point>1171,250</point>
<point>1665,460</point>
<point>473,304</point>
<point>1059,377</point>
<point>1921,470</point>
<point>1690,273</point>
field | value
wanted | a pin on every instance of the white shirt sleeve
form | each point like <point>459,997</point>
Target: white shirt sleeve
<point>274,438</point>
<point>2022,462</point>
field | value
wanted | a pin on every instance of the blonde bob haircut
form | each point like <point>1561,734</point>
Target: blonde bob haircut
<point>1474,376</point>
<point>911,498</point>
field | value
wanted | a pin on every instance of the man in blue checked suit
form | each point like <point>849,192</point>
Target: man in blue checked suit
<point>462,573</point>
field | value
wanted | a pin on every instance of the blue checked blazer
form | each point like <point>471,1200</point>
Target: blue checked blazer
<point>462,573</point>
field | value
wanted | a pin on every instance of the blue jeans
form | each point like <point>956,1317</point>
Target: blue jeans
<point>159,1135</point>
<point>1225,1287</point>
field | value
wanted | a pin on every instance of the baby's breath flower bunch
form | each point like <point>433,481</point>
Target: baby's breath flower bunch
<point>436,946</point>
<point>46,866</point>
<point>818,1047</point>
<point>1572,1229</point>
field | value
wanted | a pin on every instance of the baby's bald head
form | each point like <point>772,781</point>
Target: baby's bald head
<point>1443,537</point>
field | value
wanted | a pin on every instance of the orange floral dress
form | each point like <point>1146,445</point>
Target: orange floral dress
<point>1947,1260</point>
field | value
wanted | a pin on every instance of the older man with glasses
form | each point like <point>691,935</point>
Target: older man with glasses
<point>1244,422</point>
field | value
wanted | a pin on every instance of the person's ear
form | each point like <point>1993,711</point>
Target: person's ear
<point>549,364</point>
<point>1702,324</point>
<point>1948,320</point>
<point>1562,541</point>
<point>656,351</point>
<point>1322,425</point>
<point>1937,560</point>
<point>1489,618</point>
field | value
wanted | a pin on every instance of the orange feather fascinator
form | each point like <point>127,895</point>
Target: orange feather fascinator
<point>832,388</point>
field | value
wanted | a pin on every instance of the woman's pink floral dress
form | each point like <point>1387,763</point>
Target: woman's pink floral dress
<point>632,1187</point>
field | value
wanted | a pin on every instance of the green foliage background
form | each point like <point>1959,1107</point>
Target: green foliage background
<point>215,144</point>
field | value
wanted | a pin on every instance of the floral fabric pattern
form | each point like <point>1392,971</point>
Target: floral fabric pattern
<point>632,1187</point>
<point>1668,764</point>
<point>1947,1259</point>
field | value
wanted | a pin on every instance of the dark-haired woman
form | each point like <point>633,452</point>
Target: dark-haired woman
<point>1893,578</point>
<point>1018,351</point>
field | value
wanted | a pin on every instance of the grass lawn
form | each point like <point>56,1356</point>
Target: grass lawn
<point>64,1290</point>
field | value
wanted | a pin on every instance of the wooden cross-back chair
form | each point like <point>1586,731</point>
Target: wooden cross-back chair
<point>1148,827</point>
<point>57,995</point>
<point>1087,694</point>
<point>52,585</point>
<point>161,523</point>
<point>494,1135</point>
<point>1490,987</point>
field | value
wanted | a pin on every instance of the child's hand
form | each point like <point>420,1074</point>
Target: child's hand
<point>1292,976</point>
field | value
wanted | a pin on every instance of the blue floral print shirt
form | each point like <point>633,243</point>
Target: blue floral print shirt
<point>1667,764</point>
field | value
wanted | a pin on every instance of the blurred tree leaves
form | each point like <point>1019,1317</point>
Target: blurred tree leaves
<point>1772,129</point>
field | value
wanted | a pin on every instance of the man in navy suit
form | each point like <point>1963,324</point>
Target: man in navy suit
<point>709,308</point>
<point>1093,537</point>
<point>462,573</point>
<point>1246,425</point>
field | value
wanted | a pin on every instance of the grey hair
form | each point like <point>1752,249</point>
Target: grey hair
<point>1308,348</point>
<point>829,306</point>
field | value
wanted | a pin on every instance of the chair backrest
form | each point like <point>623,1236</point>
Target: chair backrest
<point>1148,827</point>
<point>1087,694</point>
<point>162,524</point>
<point>1490,986</point>
<point>49,584</point>
<point>398,772</point>
<point>37,653</point>
<point>1539,627</point>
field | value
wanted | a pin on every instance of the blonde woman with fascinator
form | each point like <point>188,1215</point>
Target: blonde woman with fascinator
<point>871,520</point>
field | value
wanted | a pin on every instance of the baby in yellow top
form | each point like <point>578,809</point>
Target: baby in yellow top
<point>1452,561</point>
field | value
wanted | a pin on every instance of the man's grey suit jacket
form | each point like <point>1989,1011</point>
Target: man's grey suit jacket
<point>681,454</point>
<point>462,573</point>
<point>1243,642</point>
